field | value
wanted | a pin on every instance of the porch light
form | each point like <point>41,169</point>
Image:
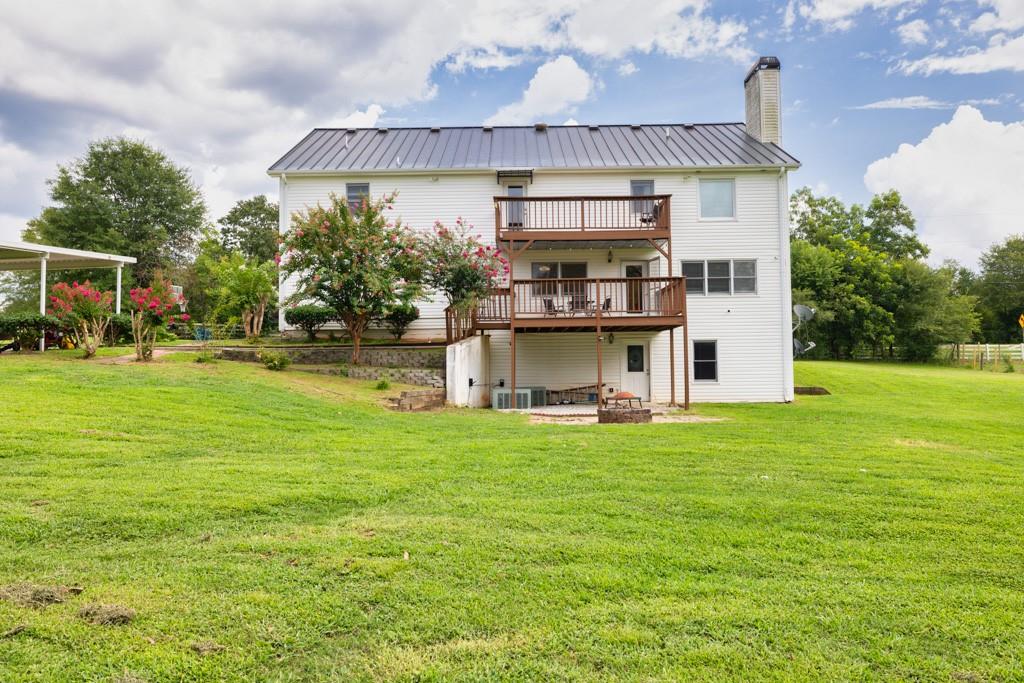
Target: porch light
<point>611,338</point>
<point>609,256</point>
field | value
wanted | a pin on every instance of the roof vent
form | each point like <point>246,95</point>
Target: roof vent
<point>435,129</point>
<point>635,126</point>
<point>594,127</point>
<point>488,129</point>
<point>351,131</point>
<point>540,127</point>
<point>688,126</point>
<point>382,130</point>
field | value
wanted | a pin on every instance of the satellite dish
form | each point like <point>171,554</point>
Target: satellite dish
<point>799,348</point>
<point>803,313</point>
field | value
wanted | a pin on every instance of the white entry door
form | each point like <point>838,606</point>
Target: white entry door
<point>636,371</point>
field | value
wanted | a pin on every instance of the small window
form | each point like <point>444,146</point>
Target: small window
<point>642,188</point>
<point>356,194</point>
<point>718,277</point>
<point>516,209</point>
<point>573,270</point>
<point>544,271</point>
<point>744,277</point>
<point>635,358</point>
<point>717,198</point>
<point>694,272</point>
<point>705,361</point>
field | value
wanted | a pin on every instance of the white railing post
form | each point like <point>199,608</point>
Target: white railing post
<point>117,295</point>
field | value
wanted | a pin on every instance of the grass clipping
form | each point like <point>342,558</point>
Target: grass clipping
<point>107,615</point>
<point>36,596</point>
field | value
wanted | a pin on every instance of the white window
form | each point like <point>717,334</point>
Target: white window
<point>705,361</point>
<point>736,276</point>
<point>550,270</point>
<point>642,188</point>
<point>717,198</point>
<point>694,272</point>
<point>356,194</point>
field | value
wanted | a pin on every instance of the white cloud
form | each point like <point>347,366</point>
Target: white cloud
<point>789,15</point>
<point>914,32</point>
<point>217,91</point>
<point>962,182</point>
<point>1008,16</point>
<point>558,86</point>
<point>838,15</point>
<point>570,122</point>
<point>627,69</point>
<point>999,55</point>
<point>361,119</point>
<point>912,102</point>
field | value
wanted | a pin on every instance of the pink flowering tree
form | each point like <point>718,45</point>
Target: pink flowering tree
<point>152,308</point>
<point>84,310</point>
<point>461,266</point>
<point>360,264</point>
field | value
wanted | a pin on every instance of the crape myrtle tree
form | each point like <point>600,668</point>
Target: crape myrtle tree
<point>460,266</point>
<point>359,263</point>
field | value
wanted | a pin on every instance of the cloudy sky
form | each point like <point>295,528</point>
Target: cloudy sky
<point>922,96</point>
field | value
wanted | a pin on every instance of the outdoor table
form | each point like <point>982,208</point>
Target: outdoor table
<point>628,398</point>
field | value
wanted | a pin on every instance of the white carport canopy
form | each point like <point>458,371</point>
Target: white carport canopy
<point>43,257</point>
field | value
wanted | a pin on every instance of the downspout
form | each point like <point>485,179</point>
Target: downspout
<point>786,290</point>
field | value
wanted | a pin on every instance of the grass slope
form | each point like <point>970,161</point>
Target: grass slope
<point>281,526</point>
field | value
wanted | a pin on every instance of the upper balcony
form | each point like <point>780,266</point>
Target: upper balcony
<point>567,221</point>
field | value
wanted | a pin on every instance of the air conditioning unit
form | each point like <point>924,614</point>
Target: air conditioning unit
<point>538,396</point>
<point>501,399</point>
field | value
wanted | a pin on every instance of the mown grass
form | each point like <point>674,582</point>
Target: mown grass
<point>283,526</point>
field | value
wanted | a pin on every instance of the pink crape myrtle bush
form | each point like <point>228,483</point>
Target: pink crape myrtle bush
<point>85,310</point>
<point>152,308</point>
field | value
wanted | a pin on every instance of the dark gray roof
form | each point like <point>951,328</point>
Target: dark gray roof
<point>648,146</point>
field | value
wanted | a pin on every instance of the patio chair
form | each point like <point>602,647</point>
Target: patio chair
<point>607,305</point>
<point>550,308</point>
<point>579,304</point>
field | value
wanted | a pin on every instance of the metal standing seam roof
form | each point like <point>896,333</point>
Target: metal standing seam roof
<point>702,145</point>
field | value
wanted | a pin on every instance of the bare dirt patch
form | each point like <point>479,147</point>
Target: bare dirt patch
<point>107,615</point>
<point>36,596</point>
<point>592,419</point>
<point>921,443</point>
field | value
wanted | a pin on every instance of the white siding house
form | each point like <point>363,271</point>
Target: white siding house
<point>721,201</point>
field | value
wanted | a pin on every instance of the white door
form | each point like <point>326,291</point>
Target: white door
<point>636,371</point>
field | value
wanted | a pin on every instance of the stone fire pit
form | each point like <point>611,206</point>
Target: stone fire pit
<point>623,415</point>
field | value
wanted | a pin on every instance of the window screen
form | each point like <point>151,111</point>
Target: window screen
<point>568,270</point>
<point>355,194</point>
<point>716,198</point>
<point>694,272</point>
<point>744,276</point>
<point>544,271</point>
<point>718,277</point>
<point>705,361</point>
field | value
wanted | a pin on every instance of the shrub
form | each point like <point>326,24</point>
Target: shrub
<point>151,309</point>
<point>309,318</point>
<point>27,328</point>
<point>86,312</point>
<point>1008,363</point>
<point>275,360</point>
<point>382,384</point>
<point>205,356</point>
<point>399,319</point>
<point>120,328</point>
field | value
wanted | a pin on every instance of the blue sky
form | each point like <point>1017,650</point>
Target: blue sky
<point>922,96</point>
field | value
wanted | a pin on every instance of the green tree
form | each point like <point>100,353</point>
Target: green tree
<point>1000,287</point>
<point>250,227</point>
<point>245,289</point>
<point>928,313</point>
<point>359,264</point>
<point>123,197</point>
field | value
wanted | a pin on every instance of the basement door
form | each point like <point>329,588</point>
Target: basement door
<point>636,372</point>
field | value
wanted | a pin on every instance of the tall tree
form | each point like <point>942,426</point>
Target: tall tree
<point>250,227</point>
<point>123,197</point>
<point>1001,288</point>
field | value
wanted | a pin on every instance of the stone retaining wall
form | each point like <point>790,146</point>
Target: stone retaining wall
<point>423,377</point>
<point>388,357</point>
<point>425,399</point>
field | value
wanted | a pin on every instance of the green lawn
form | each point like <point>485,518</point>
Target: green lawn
<point>283,526</point>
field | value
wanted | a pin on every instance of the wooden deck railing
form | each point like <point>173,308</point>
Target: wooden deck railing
<point>581,299</point>
<point>647,213</point>
<point>458,324</point>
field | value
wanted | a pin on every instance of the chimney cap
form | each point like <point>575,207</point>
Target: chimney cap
<point>761,64</point>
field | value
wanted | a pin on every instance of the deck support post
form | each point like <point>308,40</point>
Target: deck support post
<point>597,336</point>
<point>512,321</point>
<point>672,335</point>
<point>686,354</point>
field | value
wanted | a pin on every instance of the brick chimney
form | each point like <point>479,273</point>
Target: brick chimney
<point>762,91</point>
